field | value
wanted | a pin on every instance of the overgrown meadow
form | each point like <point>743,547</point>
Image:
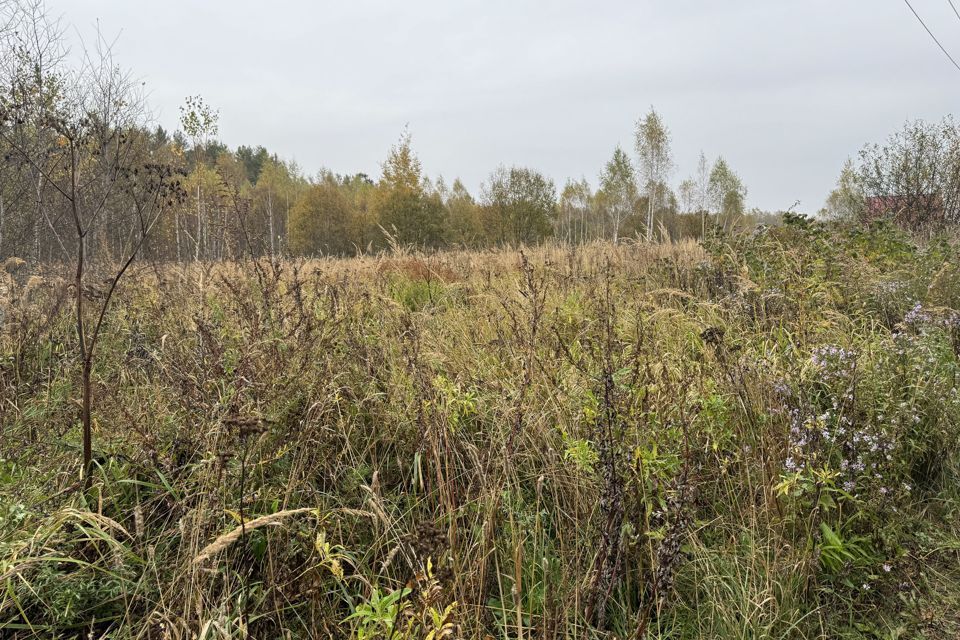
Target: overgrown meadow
<point>758,437</point>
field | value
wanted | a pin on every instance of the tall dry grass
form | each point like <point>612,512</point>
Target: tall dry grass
<point>553,442</point>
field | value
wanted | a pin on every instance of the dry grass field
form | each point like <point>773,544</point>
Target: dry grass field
<point>757,438</point>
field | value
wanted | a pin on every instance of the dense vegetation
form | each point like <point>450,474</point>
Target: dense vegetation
<point>237,401</point>
<point>757,437</point>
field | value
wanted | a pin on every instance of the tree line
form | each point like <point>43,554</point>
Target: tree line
<point>83,165</point>
<point>82,126</point>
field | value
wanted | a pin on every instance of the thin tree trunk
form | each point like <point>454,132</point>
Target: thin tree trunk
<point>86,356</point>
<point>86,416</point>
<point>270,213</point>
<point>36,219</point>
<point>286,222</point>
<point>199,240</point>
<point>650,216</point>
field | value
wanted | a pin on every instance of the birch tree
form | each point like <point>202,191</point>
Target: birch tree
<point>576,219</point>
<point>702,191</point>
<point>727,192</point>
<point>199,123</point>
<point>652,141</point>
<point>687,192</point>
<point>618,189</point>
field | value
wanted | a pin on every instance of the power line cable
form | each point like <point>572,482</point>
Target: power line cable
<point>942,48</point>
<point>954,7</point>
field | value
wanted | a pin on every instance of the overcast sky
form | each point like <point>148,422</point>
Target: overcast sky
<point>785,90</point>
